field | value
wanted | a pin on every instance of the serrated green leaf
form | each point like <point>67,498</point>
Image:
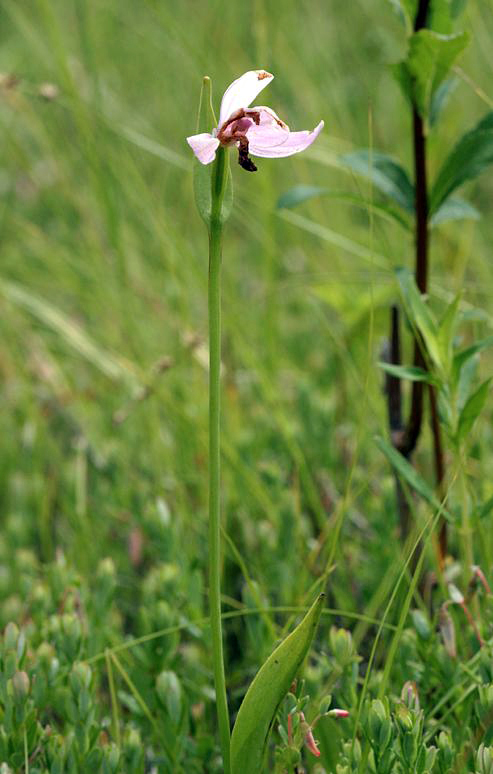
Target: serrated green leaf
<point>411,373</point>
<point>202,173</point>
<point>430,57</point>
<point>470,156</point>
<point>420,315</point>
<point>472,410</point>
<point>408,473</point>
<point>454,208</point>
<point>386,175</point>
<point>270,685</point>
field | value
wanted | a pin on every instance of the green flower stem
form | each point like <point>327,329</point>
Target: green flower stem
<point>219,178</point>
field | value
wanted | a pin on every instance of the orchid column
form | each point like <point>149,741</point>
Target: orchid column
<point>260,132</point>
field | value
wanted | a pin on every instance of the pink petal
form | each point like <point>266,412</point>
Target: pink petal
<point>204,146</point>
<point>269,131</point>
<point>294,143</point>
<point>312,744</point>
<point>267,116</point>
<point>338,713</point>
<point>242,92</point>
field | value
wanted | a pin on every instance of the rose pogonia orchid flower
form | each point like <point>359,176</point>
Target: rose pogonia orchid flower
<point>257,130</point>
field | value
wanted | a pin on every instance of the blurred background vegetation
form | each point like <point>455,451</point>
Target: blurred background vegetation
<point>103,317</point>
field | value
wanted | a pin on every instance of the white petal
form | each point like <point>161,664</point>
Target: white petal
<point>294,143</point>
<point>204,146</point>
<point>242,92</point>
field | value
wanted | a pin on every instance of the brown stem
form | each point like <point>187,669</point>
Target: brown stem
<point>413,428</point>
<point>406,440</point>
<point>421,15</point>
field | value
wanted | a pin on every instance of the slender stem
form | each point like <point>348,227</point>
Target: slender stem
<point>394,408</point>
<point>421,273</point>
<point>407,440</point>
<point>439,469</point>
<point>467,537</point>
<point>219,177</point>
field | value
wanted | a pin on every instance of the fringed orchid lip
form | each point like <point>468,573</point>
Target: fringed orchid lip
<point>257,131</point>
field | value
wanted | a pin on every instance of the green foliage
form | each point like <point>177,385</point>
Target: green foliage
<point>270,685</point>
<point>421,317</point>
<point>408,473</point>
<point>471,155</point>
<point>454,208</point>
<point>413,373</point>
<point>385,174</point>
<point>428,63</point>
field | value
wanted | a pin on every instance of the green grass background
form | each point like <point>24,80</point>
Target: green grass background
<point>103,272</point>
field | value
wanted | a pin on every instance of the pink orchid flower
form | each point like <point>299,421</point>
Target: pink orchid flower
<point>257,130</point>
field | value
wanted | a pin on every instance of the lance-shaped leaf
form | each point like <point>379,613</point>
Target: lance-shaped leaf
<point>270,685</point>
<point>412,373</point>
<point>202,175</point>
<point>464,355</point>
<point>470,156</point>
<point>420,316</point>
<point>386,175</point>
<point>429,60</point>
<point>406,10</point>
<point>440,98</point>
<point>472,410</point>
<point>303,193</point>
<point>454,208</point>
<point>408,473</point>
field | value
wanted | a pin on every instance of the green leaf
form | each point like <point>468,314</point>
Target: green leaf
<point>446,330</point>
<point>466,354</point>
<point>443,14</point>
<point>472,410</point>
<point>406,10</point>
<point>270,685</point>
<point>467,377</point>
<point>440,98</point>
<point>470,156</point>
<point>440,16</point>
<point>484,510</point>
<point>302,193</point>
<point>454,208</point>
<point>299,194</point>
<point>457,6</point>
<point>202,173</point>
<point>386,175</point>
<point>412,373</point>
<point>430,57</point>
<point>408,472</point>
<point>420,315</point>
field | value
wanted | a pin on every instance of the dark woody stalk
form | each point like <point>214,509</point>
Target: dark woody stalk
<point>405,439</point>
